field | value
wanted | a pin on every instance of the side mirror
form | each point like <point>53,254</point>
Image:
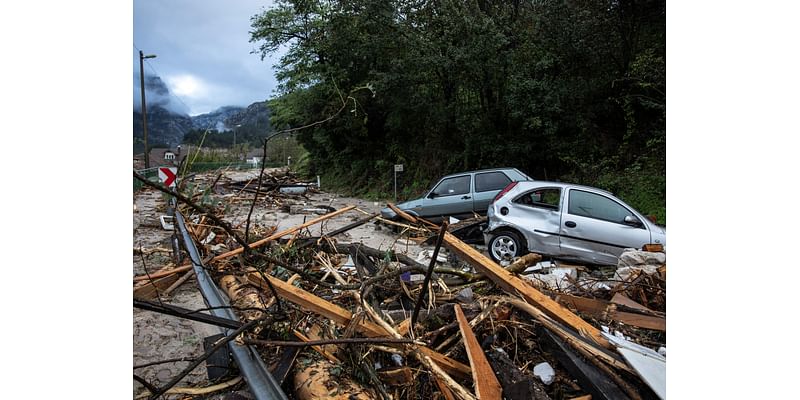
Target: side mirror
<point>433,195</point>
<point>632,221</point>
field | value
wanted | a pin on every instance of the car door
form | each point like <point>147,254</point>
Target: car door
<point>593,227</point>
<point>538,213</point>
<point>451,196</point>
<point>487,185</point>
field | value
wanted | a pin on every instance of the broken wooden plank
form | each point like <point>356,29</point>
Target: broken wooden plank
<point>255,244</point>
<point>606,310</point>
<point>654,247</point>
<point>403,327</point>
<point>343,317</point>
<point>400,376</point>
<point>639,320</point>
<point>516,286</point>
<point>620,298</point>
<point>163,273</point>
<point>524,262</point>
<point>448,395</point>
<point>583,304</point>
<point>148,276</point>
<point>487,387</point>
<point>405,226</point>
<point>149,290</point>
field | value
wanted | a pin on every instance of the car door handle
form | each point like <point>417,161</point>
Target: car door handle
<point>570,224</point>
<point>465,197</point>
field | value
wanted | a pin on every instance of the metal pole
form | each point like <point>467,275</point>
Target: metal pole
<point>261,382</point>
<point>144,108</point>
<point>395,185</point>
<point>144,111</point>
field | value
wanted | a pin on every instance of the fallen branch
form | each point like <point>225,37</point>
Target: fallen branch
<point>372,340</point>
<point>200,391</point>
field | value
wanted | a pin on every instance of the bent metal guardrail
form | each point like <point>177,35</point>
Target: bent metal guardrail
<point>262,384</point>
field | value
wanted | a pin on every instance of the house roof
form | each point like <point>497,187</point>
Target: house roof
<point>157,158</point>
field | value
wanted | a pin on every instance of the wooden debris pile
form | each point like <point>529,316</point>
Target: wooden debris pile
<point>337,320</point>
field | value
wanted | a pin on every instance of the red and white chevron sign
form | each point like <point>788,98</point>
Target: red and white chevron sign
<point>167,175</point>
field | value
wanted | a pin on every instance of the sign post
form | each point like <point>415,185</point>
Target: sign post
<point>167,176</point>
<point>397,168</point>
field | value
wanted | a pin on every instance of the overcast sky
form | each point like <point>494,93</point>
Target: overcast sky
<point>203,52</point>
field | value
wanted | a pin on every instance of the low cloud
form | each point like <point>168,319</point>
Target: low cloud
<point>156,94</point>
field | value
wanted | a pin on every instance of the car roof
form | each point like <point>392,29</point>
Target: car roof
<point>523,184</point>
<point>486,170</point>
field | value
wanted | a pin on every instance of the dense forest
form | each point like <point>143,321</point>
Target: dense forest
<point>563,90</point>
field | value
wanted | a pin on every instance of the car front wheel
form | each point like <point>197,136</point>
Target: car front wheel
<point>506,245</point>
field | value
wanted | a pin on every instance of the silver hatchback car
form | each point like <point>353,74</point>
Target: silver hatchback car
<point>565,221</point>
<point>460,195</point>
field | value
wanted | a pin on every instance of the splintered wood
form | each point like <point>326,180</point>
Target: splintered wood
<point>514,285</point>
<point>486,385</point>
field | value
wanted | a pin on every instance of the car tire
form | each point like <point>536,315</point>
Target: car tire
<point>505,245</point>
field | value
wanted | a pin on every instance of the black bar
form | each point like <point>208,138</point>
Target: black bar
<point>186,313</point>
<point>428,274</point>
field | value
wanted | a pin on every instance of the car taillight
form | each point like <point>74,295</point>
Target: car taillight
<point>504,191</point>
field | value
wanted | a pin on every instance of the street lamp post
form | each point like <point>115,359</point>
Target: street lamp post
<point>144,107</point>
<point>234,134</point>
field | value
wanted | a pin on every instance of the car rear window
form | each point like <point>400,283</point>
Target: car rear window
<point>487,181</point>
<point>548,198</point>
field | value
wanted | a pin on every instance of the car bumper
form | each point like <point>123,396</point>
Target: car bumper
<point>388,213</point>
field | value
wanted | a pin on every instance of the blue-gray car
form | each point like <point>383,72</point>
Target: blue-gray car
<point>565,221</point>
<point>460,195</point>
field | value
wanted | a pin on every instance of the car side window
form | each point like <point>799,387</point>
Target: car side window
<point>548,198</point>
<point>487,181</point>
<point>453,186</point>
<point>596,206</point>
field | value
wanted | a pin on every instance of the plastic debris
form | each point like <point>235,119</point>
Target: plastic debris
<point>545,372</point>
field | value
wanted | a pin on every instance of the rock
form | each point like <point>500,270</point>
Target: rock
<point>164,375</point>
